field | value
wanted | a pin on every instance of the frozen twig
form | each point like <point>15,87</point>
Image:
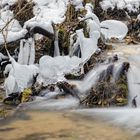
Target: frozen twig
<point>19,12</point>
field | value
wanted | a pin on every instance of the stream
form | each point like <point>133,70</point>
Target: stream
<point>45,104</point>
<point>68,121</point>
<point>62,125</point>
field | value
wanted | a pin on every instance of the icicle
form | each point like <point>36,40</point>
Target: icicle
<point>71,44</point>
<point>20,56</point>
<point>75,48</point>
<point>32,52</point>
<point>56,49</point>
<point>26,54</point>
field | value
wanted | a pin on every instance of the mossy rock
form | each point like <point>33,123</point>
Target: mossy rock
<point>108,93</point>
<point>123,88</point>
<point>121,101</point>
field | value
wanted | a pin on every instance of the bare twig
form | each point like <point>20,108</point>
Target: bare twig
<point>5,42</point>
<point>19,12</point>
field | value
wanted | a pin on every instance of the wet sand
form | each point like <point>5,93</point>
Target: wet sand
<point>43,125</point>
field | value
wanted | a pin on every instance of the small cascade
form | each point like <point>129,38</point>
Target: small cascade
<point>91,79</point>
<point>127,116</point>
<point>108,91</point>
<point>134,84</point>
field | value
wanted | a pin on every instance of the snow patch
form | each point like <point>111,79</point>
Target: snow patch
<point>20,75</point>
<point>131,5</point>
<point>113,29</point>
<point>53,69</point>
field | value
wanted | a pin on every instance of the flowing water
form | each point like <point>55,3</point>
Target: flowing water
<point>127,117</point>
<point>87,124</point>
<point>45,125</point>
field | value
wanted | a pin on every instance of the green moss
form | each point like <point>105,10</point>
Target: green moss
<point>83,25</point>
<point>123,87</point>
<point>64,36</point>
<point>122,102</point>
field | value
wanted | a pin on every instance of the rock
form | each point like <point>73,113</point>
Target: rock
<point>67,89</point>
<point>74,76</point>
<point>134,102</point>
<point>12,99</point>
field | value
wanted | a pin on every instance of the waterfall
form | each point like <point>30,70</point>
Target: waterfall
<point>91,78</point>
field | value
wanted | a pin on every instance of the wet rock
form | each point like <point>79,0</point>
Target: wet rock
<point>115,58</point>
<point>37,88</point>
<point>134,102</point>
<point>124,69</point>
<point>13,99</point>
<point>74,77</point>
<point>106,75</point>
<point>67,89</point>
